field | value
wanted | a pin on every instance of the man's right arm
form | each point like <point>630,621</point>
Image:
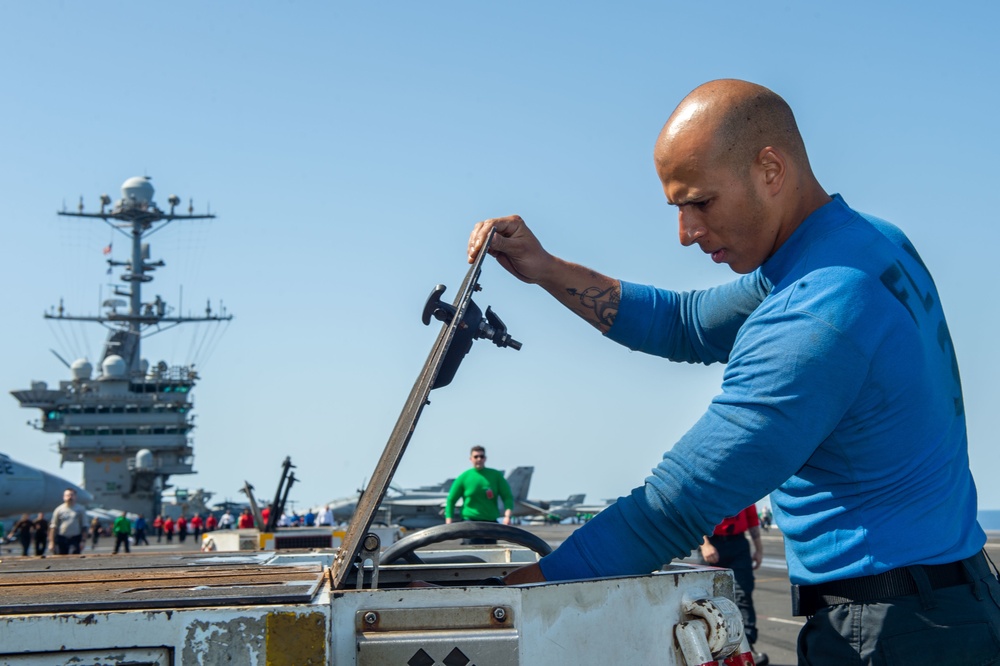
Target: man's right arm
<point>591,295</point>
<point>698,326</point>
<point>449,504</point>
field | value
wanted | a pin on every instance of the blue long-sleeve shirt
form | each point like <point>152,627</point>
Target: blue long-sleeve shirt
<point>841,397</point>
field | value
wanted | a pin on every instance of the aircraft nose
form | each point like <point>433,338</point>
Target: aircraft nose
<point>83,497</point>
<point>55,486</point>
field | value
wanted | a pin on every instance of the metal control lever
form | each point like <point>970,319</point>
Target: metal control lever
<point>450,346</point>
<point>472,327</point>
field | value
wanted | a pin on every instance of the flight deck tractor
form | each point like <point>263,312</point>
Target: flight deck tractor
<point>420,601</point>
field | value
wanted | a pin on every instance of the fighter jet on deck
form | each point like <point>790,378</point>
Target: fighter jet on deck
<point>554,511</point>
<point>26,489</point>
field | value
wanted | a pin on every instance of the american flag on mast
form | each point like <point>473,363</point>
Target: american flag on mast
<point>107,249</point>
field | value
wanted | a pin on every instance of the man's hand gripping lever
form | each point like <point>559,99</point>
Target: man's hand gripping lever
<point>587,293</point>
<point>472,327</point>
<point>514,246</point>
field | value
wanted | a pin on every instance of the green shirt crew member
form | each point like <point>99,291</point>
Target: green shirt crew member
<point>122,529</point>
<point>479,487</point>
<point>122,525</point>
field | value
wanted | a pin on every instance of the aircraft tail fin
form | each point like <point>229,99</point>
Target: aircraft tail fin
<point>519,480</point>
<point>576,499</point>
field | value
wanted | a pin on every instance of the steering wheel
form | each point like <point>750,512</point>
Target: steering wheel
<point>403,549</point>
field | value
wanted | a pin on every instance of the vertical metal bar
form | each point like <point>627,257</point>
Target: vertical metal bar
<point>378,485</point>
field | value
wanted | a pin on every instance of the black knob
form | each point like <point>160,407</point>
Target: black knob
<point>435,308</point>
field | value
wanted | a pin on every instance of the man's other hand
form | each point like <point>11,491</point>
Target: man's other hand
<point>709,552</point>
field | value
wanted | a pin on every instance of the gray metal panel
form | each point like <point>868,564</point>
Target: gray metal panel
<point>450,635</point>
<point>382,620</point>
<point>432,648</point>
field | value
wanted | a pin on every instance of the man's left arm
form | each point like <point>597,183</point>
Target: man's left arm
<point>508,499</point>
<point>694,327</point>
<point>762,405</point>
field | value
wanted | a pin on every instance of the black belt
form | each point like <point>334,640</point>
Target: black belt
<point>808,599</point>
<point>728,537</point>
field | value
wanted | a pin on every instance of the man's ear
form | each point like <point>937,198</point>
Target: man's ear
<point>773,169</point>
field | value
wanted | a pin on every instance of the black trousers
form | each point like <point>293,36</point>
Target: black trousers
<point>734,553</point>
<point>68,545</point>
<point>957,625</point>
<point>119,540</point>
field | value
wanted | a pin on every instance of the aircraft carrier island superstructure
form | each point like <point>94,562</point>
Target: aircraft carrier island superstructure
<point>128,421</point>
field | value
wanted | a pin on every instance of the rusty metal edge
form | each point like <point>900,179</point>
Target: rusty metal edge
<point>156,604</point>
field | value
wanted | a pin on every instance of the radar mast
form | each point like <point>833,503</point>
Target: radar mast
<point>129,425</point>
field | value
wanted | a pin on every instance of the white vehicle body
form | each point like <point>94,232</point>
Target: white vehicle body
<point>278,608</point>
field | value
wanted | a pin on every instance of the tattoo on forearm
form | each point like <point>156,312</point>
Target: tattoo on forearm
<point>603,302</point>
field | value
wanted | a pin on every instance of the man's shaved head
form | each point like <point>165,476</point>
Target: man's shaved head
<point>731,159</point>
<point>735,120</point>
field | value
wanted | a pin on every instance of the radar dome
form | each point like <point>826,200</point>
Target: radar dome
<point>144,459</point>
<point>81,369</point>
<point>137,191</point>
<point>113,367</point>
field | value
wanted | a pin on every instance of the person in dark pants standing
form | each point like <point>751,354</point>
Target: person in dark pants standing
<point>23,529</point>
<point>728,547</point>
<point>479,488</point>
<point>140,530</point>
<point>41,534</point>
<point>122,529</point>
<point>95,532</point>
<point>182,525</point>
<point>67,529</point>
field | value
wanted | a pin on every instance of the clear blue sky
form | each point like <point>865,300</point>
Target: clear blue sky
<point>349,148</point>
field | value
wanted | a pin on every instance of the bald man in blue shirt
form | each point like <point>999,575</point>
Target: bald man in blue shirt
<point>841,395</point>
